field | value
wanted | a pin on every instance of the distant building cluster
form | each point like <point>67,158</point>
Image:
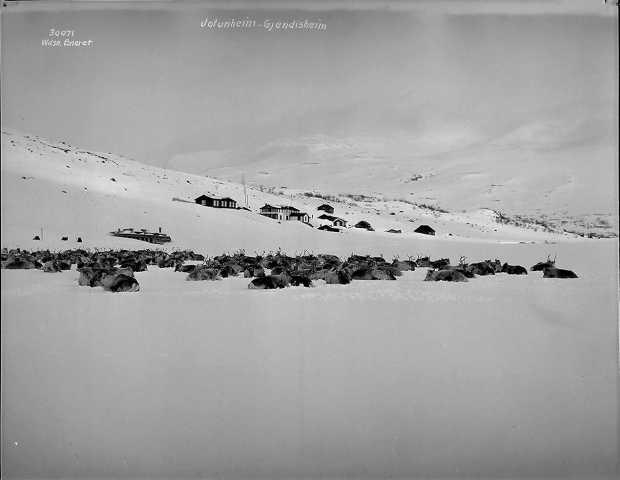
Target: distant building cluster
<point>284,213</point>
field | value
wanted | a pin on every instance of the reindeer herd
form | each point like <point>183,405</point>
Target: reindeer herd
<point>114,269</point>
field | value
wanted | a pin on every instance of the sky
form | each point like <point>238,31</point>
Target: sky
<point>155,84</point>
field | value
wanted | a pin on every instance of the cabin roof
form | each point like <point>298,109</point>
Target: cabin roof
<point>213,197</point>
<point>286,207</point>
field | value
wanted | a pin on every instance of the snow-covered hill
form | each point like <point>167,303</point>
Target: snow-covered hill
<point>553,171</point>
<point>63,190</point>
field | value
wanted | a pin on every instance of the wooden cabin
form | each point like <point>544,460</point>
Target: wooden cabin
<point>326,208</point>
<point>271,212</point>
<point>335,221</point>
<point>284,213</point>
<point>299,216</point>
<point>209,201</point>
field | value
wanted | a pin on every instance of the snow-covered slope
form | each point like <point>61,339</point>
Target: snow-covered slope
<point>68,191</point>
<point>552,170</point>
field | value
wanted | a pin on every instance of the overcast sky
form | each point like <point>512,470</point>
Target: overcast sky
<point>155,84</point>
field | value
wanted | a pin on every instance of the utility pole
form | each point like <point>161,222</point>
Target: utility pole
<point>245,192</point>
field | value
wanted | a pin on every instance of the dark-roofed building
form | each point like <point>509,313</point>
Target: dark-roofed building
<point>284,213</point>
<point>335,221</point>
<point>289,208</point>
<point>215,202</point>
<point>299,216</point>
<point>227,202</point>
<point>326,208</point>
<point>425,229</point>
<point>364,224</point>
<point>271,212</point>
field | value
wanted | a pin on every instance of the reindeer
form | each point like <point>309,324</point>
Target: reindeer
<point>553,272</point>
<point>542,265</point>
<point>423,261</point>
<point>513,269</point>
